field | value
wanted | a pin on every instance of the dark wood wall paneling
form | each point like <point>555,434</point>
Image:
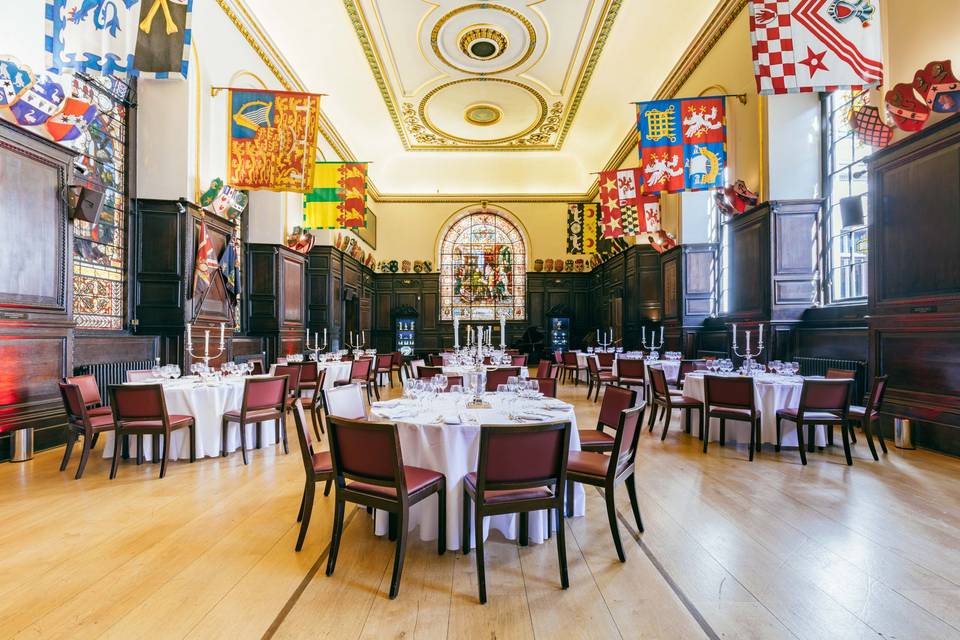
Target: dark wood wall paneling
<point>914,321</point>
<point>276,298</point>
<point>688,282</point>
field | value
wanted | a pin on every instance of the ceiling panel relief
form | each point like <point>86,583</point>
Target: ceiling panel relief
<point>483,76</point>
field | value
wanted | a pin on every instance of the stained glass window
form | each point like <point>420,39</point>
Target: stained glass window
<point>99,250</point>
<point>483,268</point>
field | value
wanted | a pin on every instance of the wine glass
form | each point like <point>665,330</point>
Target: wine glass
<point>456,389</point>
<point>502,388</point>
<point>439,383</point>
<point>533,386</point>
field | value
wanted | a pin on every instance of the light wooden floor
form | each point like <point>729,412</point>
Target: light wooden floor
<point>732,549</point>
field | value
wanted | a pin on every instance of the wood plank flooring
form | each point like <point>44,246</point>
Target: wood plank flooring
<point>731,549</point>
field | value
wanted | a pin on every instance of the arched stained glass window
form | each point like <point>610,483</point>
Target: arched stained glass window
<point>483,268</point>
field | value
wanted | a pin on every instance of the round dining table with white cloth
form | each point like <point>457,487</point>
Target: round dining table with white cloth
<point>671,369</point>
<point>443,435</point>
<point>207,403</point>
<point>771,393</point>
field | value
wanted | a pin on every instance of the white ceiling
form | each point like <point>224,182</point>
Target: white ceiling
<point>400,83</point>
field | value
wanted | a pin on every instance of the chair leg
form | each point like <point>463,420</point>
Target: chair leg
<point>829,435</point>
<point>777,446</point>
<point>868,432</point>
<point>441,517</point>
<point>723,432</point>
<point>853,433</point>
<point>71,439</point>
<point>561,555</point>
<point>96,438</point>
<point>224,425</point>
<point>845,434</point>
<point>753,438</point>
<point>589,387</point>
<point>706,431</point>
<point>140,450</point>
<point>524,529</point>
<point>282,426</point>
<point>166,454</point>
<point>632,492</point>
<point>84,456</point>
<point>668,414</point>
<point>569,501</point>
<point>687,420</point>
<point>811,438</point>
<point>803,451</point>
<point>315,418</point>
<point>193,441</point>
<point>326,487</point>
<point>259,437</point>
<point>243,442</point>
<point>335,534</point>
<point>612,517</point>
<point>652,417</point>
<point>465,525</point>
<point>306,509</point>
<point>478,543</point>
<point>116,454</point>
<point>401,553</point>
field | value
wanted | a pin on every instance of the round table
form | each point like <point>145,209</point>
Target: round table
<point>441,434</point>
<point>771,393</point>
<point>207,404</point>
<point>671,369</point>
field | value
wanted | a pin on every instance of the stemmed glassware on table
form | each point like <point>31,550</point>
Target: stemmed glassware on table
<point>156,370</point>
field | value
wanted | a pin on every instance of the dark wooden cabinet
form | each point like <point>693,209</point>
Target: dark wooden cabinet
<point>275,298</point>
<point>688,283</point>
<point>341,297</point>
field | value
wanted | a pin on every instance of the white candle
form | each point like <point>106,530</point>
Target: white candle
<point>643,335</point>
<point>221,334</point>
<point>324,335</point>
<point>734,335</point>
<point>363,337</point>
<point>189,334</point>
<point>598,336</point>
<point>503,332</point>
<point>761,334</point>
<point>351,338</point>
<point>206,342</point>
<point>748,343</point>
<point>661,335</point>
<point>308,337</point>
<point>456,332</point>
<point>610,339</point>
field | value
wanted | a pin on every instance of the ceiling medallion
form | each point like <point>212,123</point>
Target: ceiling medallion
<point>482,42</point>
<point>483,115</point>
<point>528,27</point>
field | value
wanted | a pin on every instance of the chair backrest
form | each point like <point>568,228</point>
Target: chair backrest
<point>73,402</point>
<point>658,382</point>
<point>544,369</point>
<point>526,455</point>
<point>593,366</point>
<point>258,368</point>
<point>605,358</point>
<point>139,375</point>
<point>309,370</point>
<point>734,392</point>
<point>436,361</point>
<point>570,358</point>
<point>396,359</point>
<point>415,365</point>
<point>384,361</point>
<point>305,439</point>
<point>360,370</point>
<point>630,368</point>
<point>688,366</point>
<point>518,361</point>
<point>366,452</point>
<point>700,365</point>
<point>345,401</point>
<point>428,372</point>
<point>138,402</point>
<point>840,374</point>
<point>826,395</point>
<point>876,395</point>
<point>345,357</point>
<point>548,386</point>
<point>88,388</point>
<point>451,380</point>
<point>265,393</point>
<point>558,357</point>
<point>499,376</point>
<point>615,400</point>
<point>625,443</point>
<point>292,372</point>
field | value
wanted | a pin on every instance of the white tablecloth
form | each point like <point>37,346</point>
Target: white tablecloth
<point>335,371</point>
<point>461,371</point>
<point>671,368</point>
<point>771,393</point>
<point>207,404</point>
<point>453,450</point>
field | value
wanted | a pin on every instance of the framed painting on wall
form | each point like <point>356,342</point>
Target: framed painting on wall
<point>368,233</point>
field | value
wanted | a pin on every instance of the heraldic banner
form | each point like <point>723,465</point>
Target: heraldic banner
<point>625,211</point>
<point>815,45</point>
<point>581,228</point>
<point>682,143</point>
<point>272,142</point>
<point>339,196</point>
<point>146,38</point>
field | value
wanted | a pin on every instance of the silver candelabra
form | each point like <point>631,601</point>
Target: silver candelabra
<point>653,345</point>
<point>207,356</point>
<point>748,355</point>
<point>357,345</point>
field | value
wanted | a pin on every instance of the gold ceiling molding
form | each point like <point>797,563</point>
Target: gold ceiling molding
<point>476,197</point>
<point>483,35</point>
<point>531,35</point>
<point>483,114</point>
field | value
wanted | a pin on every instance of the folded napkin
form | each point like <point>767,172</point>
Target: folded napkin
<point>531,415</point>
<point>386,404</point>
<point>452,420</point>
<point>556,404</point>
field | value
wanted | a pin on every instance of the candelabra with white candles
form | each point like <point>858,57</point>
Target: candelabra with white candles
<point>318,346</point>
<point>206,356</point>
<point>606,340</point>
<point>748,354</point>
<point>653,346</point>
<point>357,342</point>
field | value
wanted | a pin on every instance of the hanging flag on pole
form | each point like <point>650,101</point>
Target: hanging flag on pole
<point>205,263</point>
<point>815,45</point>
<point>230,269</point>
<point>625,211</point>
<point>339,196</point>
<point>272,142</point>
<point>682,144</point>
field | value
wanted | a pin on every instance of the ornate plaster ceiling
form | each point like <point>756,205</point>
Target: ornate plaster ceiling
<point>527,63</point>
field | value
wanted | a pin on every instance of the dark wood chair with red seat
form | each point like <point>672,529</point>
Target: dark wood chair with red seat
<point>142,410</point>
<point>518,360</point>
<point>825,402</point>
<point>396,365</point>
<point>264,399</point>
<point>840,374</point>
<point>315,404</point>
<point>632,373</point>
<point>546,369</point>
<point>384,367</point>
<point>317,466</point>
<point>687,366</point>
<point>570,366</point>
<point>435,361</point>
<point>496,377</point>
<point>309,374</point>
<point>428,372</point>
<point>615,400</point>
<point>865,416</point>
<point>605,360</point>
<point>258,366</point>
<point>548,387</point>
<point>81,422</point>
<point>90,392</point>
<point>730,398</point>
<point>521,468</point>
<point>451,380</point>
<point>663,399</point>
<point>597,378</point>
<point>593,468</point>
<point>367,454</point>
<point>360,373</point>
<point>292,372</point>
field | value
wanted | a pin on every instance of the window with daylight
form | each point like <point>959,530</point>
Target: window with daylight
<point>845,174</point>
<point>483,268</point>
<point>99,260</point>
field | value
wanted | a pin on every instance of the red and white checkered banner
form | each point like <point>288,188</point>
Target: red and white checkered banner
<point>815,45</point>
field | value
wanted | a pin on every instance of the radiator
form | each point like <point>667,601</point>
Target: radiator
<point>819,366</point>
<point>109,373</point>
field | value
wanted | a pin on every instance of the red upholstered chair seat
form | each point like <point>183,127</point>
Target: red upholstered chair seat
<point>730,412</point>
<point>417,478</point>
<point>100,411</point>
<point>255,416</point>
<point>103,422</point>
<point>595,437</point>
<point>624,380</point>
<point>507,495</point>
<point>588,462</point>
<point>151,425</point>
<point>859,412</point>
<point>791,414</point>
<point>322,462</point>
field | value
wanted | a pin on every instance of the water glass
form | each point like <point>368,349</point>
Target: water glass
<point>502,388</point>
<point>456,388</point>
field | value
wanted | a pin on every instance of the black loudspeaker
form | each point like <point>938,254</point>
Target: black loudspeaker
<point>851,211</point>
<point>89,204</point>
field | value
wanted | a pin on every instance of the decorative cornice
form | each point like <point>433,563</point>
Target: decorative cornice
<point>477,198</point>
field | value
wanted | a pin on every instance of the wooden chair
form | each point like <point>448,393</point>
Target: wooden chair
<point>315,404</point>
<point>139,375</point>
<point>345,401</point>
<point>663,399</point>
<point>597,378</point>
<point>521,468</point>
<point>384,367</point>
<point>292,373</point>
<point>570,366</point>
<point>518,360</point>
<point>730,398</point>
<point>546,369</point>
<point>451,380</point>
<point>258,366</point>
<point>825,402</point>
<point>607,471</point>
<point>309,377</point>
<point>615,400</point>
<point>142,410</point>
<point>865,416</point>
<point>548,387</point>
<point>435,361</point>
<point>605,360</point>
<point>428,372</point>
<point>263,399</point>
<point>90,392</point>
<point>496,377</point>
<point>317,466</point>
<point>841,374</point>
<point>360,373</point>
<point>81,422</point>
<point>367,454</point>
<point>414,366</point>
<point>632,373</point>
<point>687,366</point>
<point>396,366</point>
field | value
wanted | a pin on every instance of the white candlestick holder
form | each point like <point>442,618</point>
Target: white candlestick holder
<point>207,356</point>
